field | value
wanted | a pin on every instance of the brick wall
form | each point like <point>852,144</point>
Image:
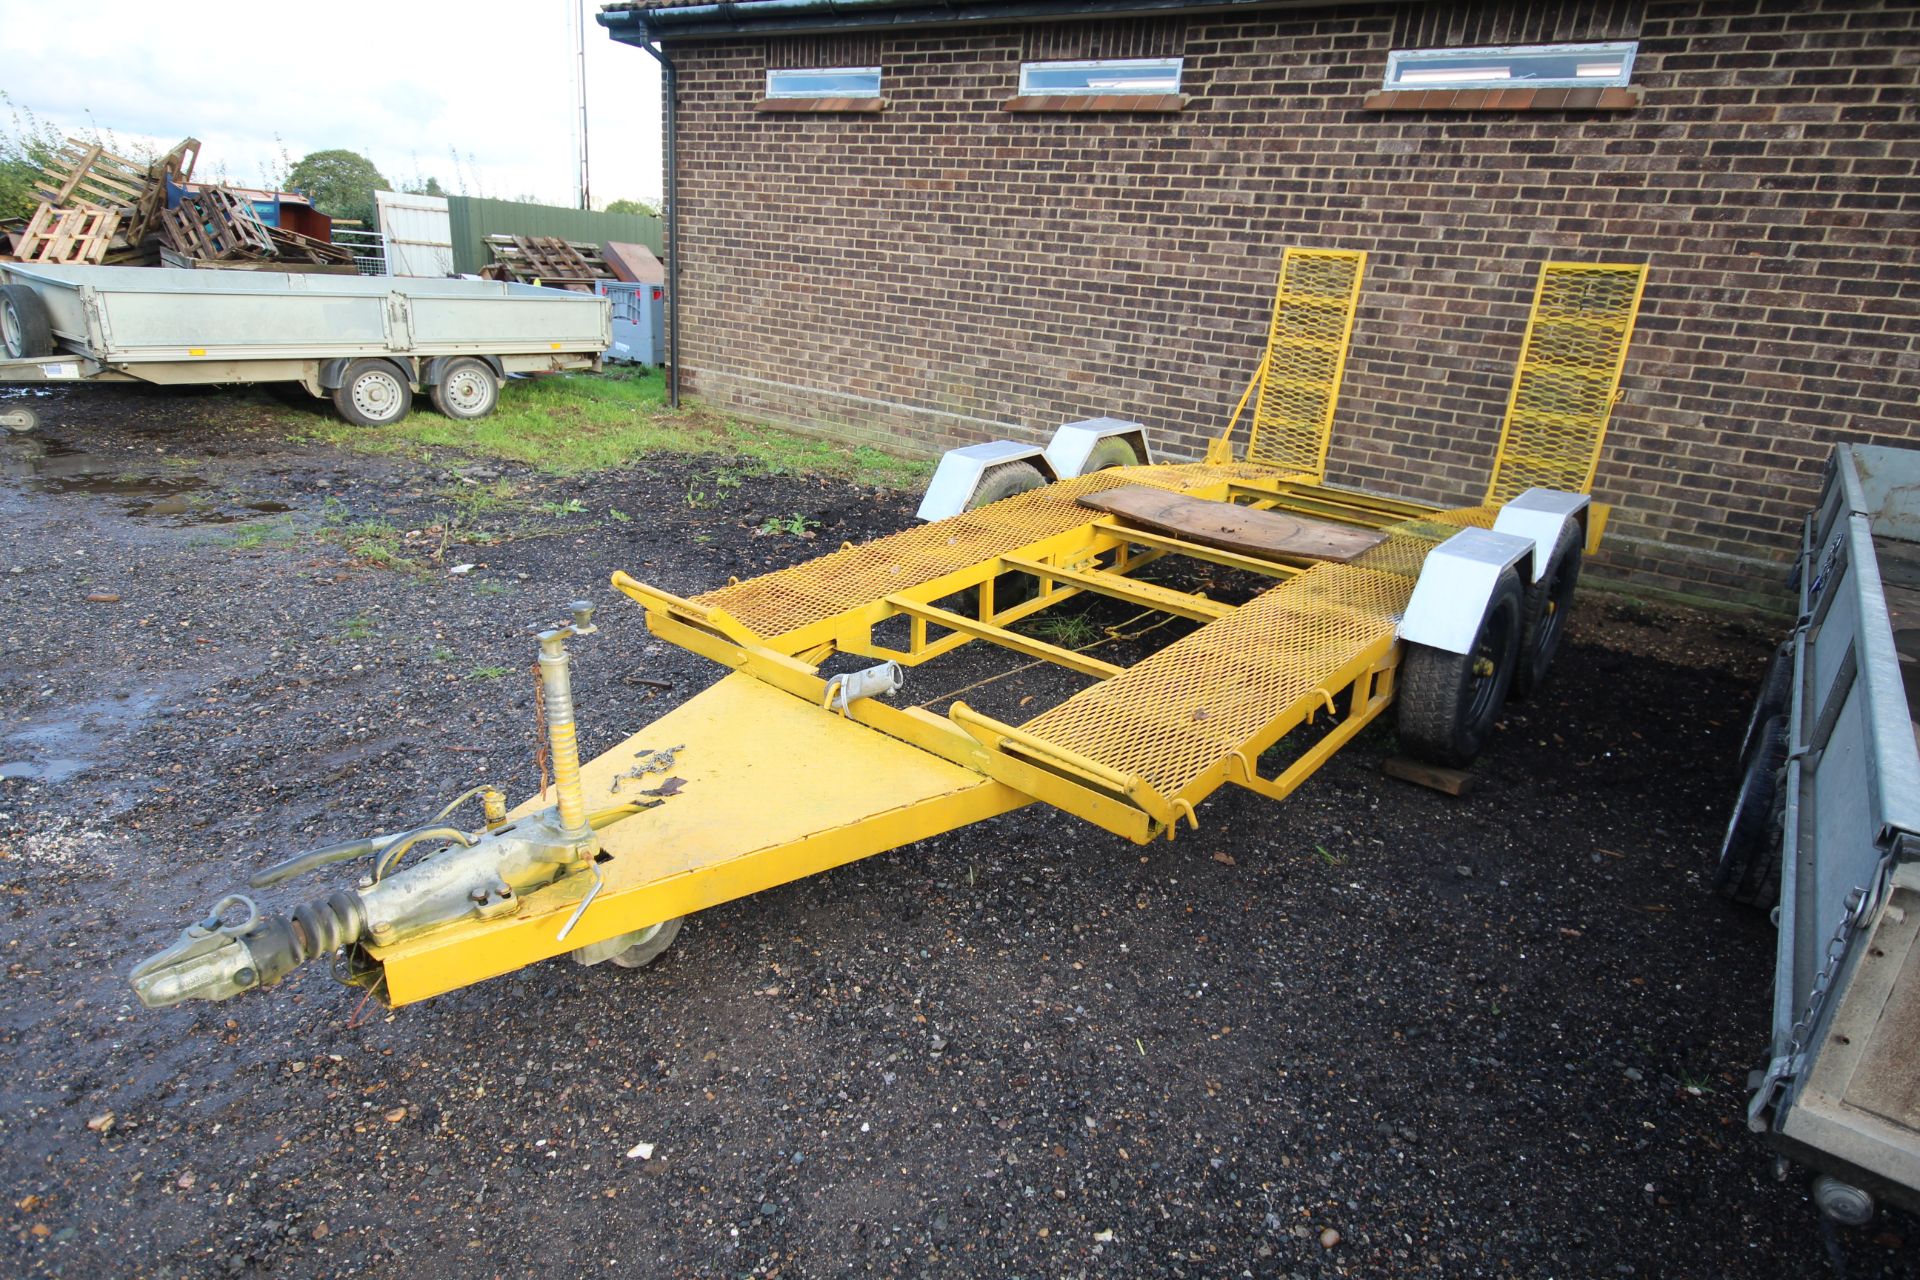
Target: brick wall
<point>945,271</point>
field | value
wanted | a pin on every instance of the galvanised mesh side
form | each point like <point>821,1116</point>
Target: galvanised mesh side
<point>1313,310</point>
<point>785,600</point>
<point>1567,378</point>
<point>1174,716</point>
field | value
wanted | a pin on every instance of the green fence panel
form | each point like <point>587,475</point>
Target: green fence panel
<point>474,220</point>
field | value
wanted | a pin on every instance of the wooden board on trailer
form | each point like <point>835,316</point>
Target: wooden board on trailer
<point>1267,535</point>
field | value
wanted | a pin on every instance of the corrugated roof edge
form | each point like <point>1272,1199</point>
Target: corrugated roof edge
<point>644,24</point>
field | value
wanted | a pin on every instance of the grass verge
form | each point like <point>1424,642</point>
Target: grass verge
<point>568,423</point>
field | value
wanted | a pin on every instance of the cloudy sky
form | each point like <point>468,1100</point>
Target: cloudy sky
<point>409,83</point>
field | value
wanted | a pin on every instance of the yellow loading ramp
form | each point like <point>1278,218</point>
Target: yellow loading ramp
<point>774,789</point>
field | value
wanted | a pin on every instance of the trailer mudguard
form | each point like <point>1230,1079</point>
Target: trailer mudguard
<point>1456,582</point>
<point>960,472</point>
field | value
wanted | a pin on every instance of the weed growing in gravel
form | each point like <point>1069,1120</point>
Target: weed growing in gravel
<point>488,587</point>
<point>488,673</point>
<point>698,500</point>
<point>275,535</point>
<point>1073,630</point>
<point>619,515</point>
<point>358,627</point>
<point>567,423</point>
<point>794,526</point>
<point>571,507</point>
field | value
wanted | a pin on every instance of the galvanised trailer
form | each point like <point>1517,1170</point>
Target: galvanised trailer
<point>804,758</point>
<point>1826,834</point>
<point>366,342</point>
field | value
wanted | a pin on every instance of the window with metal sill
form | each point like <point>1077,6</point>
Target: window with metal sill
<point>1545,77</point>
<point>1099,84</point>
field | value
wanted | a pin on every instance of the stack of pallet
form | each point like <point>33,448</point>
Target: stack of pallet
<point>546,260</point>
<point>98,207</point>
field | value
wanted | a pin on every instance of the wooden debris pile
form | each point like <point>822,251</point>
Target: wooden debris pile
<point>548,261</point>
<point>100,208</point>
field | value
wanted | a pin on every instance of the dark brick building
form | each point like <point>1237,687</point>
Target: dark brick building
<point>955,258</point>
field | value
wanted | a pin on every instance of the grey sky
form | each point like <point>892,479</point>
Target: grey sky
<point>407,82</point>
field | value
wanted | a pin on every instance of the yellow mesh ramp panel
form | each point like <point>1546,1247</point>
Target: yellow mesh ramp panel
<point>1568,377</point>
<point>785,600</point>
<point>1174,716</point>
<point>1313,309</point>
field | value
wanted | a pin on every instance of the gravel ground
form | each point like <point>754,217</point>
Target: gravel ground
<point>1373,1031</point>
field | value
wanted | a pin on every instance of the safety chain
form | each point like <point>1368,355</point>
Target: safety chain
<point>1860,903</point>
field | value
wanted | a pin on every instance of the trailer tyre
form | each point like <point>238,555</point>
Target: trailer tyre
<point>650,945</point>
<point>1775,691</point>
<point>372,393</point>
<point>1546,606</point>
<point>1448,701</point>
<point>467,389</point>
<point>1009,589</point>
<point>24,323</point>
<point>1749,867</point>
<point>20,420</point>
<point>1114,451</point>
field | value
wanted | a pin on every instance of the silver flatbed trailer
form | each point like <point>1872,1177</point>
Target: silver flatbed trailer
<point>1831,808</point>
<point>366,342</point>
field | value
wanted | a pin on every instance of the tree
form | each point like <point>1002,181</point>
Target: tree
<point>425,187</point>
<point>633,206</point>
<point>27,143</point>
<point>340,183</point>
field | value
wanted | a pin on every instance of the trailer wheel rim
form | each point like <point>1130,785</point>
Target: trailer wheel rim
<point>1494,648</point>
<point>10,330</point>
<point>467,390</point>
<point>376,394</point>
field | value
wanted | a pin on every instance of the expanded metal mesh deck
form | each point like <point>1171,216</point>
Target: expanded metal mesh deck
<point>1313,309</point>
<point>1179,713</point>
<point>775,604</point>
<point>1568,376</point>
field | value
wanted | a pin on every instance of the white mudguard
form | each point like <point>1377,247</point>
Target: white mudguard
<point>1074,442</point>
<point>1538,515</point>
<point>960,472</point>
<point>1450,596</point>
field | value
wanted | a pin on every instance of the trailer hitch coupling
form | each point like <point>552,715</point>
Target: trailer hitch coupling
<point>469,874</point>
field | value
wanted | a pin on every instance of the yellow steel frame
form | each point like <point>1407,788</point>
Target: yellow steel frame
<point>734,832</point>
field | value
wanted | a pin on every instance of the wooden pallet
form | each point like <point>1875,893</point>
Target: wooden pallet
<point>66,235</point>
<point>215,224</point>
<point>88,176</point>
<point>292,246</point>
<point>556,263</point>
<point>175,166</point>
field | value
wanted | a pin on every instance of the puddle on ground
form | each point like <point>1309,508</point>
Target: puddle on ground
<point>57,742</point>
<point>45,465</point>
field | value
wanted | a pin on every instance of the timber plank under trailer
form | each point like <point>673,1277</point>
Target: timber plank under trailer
<point>796,761</point>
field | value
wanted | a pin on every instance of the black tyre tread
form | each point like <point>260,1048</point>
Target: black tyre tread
<point>1431,717</point>
<point>1748,870</point>
<point>642,954</point>
<point>438,395</point>
<point>36,327</point>
<point>1114,451</point>
<point>343,394</point>
<point>1538,645</point>
<point>1003,482</point>
<point>1774,698</point>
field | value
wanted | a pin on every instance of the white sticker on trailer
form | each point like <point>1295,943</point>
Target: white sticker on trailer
<point>62,370</point>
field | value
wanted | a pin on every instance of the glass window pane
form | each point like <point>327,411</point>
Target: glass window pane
<point>1539,66</point>
<point>1128,75</point>
<point>824,82</point>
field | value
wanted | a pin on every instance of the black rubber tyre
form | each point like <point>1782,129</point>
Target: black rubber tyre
<point>651,948</point>
<point>1774,699</point>
<point>24,324</point>
<point>467,389</point>
<point>1449,701</point>
<point>1545,608</point>
<point>1749,866</point>
<point>1114,451</point>
<point>373,393</point>
<point>1009,589</point>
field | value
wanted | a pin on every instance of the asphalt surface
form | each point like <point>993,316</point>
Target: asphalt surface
<point>1374,1031</point>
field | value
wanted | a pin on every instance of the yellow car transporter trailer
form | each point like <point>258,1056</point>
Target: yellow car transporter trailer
<point>782,770</point>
